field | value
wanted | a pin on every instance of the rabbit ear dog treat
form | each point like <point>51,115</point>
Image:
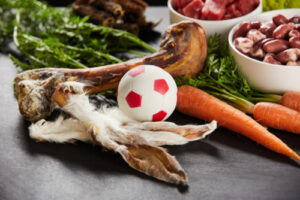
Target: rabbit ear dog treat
<point>183,51</point>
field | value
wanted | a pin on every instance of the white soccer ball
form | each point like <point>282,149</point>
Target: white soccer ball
<point>147,93</point>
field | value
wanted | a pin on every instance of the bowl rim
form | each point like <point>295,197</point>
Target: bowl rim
<point>259,7</point>
<point>230,35</point>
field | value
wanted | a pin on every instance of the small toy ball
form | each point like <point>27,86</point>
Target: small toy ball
<point>147,93</point>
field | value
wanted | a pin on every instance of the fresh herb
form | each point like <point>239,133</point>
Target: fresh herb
<point>54,37</point>
<point>220,78</point>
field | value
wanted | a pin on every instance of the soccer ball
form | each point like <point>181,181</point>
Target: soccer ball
<point>147,93</point>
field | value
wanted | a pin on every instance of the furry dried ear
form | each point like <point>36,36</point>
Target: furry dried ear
<point>168,133</point>
<point>154,161</point>
<point>61,130</point>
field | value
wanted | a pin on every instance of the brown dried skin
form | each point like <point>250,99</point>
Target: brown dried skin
<point>96,16</point>
<point>182,51</point>
<point>132,28</point>
<point>110,6</point>
<point>156,162</point>
<point>123,12</point>
<point>136,7</point>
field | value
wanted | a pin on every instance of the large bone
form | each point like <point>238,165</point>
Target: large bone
<point>183,50</point>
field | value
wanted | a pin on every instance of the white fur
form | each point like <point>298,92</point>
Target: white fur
<point>61,130</point>
<point>112,128</point>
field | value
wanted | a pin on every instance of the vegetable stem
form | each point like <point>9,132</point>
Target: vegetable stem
<point>55,37</point>
<point>220,78</point>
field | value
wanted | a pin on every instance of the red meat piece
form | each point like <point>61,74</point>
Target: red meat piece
<point>229,1</point>
<point>246,6</point>
<point>185,2</point>
<point>180,10</point>
<point>193,9</point>
<point>214,9</point>
<point>181,3</point>
<point>232,11</point>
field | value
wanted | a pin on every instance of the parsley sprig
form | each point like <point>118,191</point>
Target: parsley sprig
<point>55,37</point>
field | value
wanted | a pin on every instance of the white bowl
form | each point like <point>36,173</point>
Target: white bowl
<point>263,76</point>
<point>211,27</point>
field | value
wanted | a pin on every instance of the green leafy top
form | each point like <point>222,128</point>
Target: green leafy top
<point>54,37</point>
<point>220,77</point>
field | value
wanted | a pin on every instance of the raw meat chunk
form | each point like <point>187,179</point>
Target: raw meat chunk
<point>214,9</point>
<point>193,9</point>
<point>246,6</point>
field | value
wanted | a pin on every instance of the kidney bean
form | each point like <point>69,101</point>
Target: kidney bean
<point>288,55</point>
<point>242,30</point>
<point>282,31</point>
<point>275,46</point>
<point>255,24</point>
<point>294,42</point>
<point>280,19</point>
<point>257,52</point>
<point>255,35</point>
<point>267,28</point>
<point>294,33</point>
<point>295,20</point>
<point>259,44</point>
<point>265,40</point>
<point>243,44</point>
<point>269,58</point>
<point>293,63</point>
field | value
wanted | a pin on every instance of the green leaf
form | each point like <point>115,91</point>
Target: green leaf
<point>220,78</point>
<point>55,37</point>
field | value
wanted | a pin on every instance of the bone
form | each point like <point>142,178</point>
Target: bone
<point>183,51</point>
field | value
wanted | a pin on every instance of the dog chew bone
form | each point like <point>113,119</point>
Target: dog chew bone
<point>183,51</point>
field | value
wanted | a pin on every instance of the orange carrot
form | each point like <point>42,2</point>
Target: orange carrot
<point>291,99</point>
<point>196,103</point>
<point>277,116</point>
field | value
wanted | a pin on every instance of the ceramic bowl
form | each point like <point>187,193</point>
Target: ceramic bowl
<point>211,27</point>
<point>263,76</point>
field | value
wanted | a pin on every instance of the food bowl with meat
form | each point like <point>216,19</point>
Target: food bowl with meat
<point>267,50</point>
<point>215,16</point>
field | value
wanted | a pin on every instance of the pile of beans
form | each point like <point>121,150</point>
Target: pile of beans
<point>276,42</point>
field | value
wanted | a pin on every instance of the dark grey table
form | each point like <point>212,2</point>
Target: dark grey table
<point>223,166</point>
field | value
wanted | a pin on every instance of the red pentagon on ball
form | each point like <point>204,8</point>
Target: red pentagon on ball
<point>137,71</point>
<point>159,116</point>
<point>134,99</point>
<point>161,86</point>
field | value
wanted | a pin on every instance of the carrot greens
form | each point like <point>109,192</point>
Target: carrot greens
<point>220,78</point>
<point>55,37</point>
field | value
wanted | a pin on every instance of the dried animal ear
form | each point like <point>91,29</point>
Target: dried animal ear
<point>61,130</point>
<point>154,161</point>
<point>168,133</point>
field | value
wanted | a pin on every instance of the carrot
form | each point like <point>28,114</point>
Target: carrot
<point>277,116</point>
<point>291,99</point>
<point>194,102</point>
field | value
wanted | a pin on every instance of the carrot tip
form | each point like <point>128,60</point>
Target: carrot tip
<point>296,159</point>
